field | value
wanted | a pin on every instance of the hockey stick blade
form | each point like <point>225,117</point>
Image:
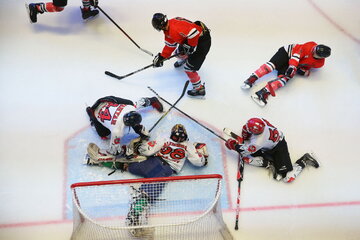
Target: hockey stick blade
<point>146,51</point>
<point>230,133</point>
<point>113,75</point>
<point>181,96</point>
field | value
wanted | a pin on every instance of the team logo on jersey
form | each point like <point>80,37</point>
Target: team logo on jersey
<point>252,148</point>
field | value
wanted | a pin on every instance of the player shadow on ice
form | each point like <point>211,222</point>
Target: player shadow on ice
<point>65,23</point>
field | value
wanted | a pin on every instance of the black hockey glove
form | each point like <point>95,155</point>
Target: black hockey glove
<point>158,60</point>
<point>188,50</point>
<point>303,72</point>
<point>140,129</point>
<point>290,72</point>
<point>94,3</point>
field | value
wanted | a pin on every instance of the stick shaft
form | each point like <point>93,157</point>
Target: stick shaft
<point>139,70</point>
<point>123,31</point>
<point>187,115</point>
<point>166,113</point>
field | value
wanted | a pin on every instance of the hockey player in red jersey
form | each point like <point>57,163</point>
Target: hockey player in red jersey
<point>34,9</point>
<point>263,145</point>
<point>190,40</point>
<point>288,60</point>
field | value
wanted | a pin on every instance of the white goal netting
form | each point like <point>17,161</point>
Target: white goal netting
<point>186,207</point>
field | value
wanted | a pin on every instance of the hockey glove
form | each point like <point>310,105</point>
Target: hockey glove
<point>94,3</point>
<point>230,144</point>
<point>140,129</point>
<point>158,60</point>
<point>201,149</point>
<point>188,49</point>
<point>290,72</point>
<point>303,72</point>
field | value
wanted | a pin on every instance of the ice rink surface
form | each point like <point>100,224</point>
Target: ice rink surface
<point>49,72</point>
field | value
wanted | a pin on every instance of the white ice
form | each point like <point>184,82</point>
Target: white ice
<point>50,71</point>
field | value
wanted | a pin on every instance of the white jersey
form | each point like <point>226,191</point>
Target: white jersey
<point>111,116</point>
<point>267,140</point>
<point>174,153</point>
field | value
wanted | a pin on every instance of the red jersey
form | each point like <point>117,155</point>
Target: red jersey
<point>301,56</point>
<point>180,31</point>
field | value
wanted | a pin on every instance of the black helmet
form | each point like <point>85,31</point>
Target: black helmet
<point>178,133</point>
<point>159,21</point>
<point>322,51</point>
<point>132,118</point>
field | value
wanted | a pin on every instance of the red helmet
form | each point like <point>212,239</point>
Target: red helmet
<point>255,125</point>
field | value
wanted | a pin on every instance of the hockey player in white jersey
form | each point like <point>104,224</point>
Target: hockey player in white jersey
<point>262,144</point>
<point>165,156</point>
<point>115,117</point>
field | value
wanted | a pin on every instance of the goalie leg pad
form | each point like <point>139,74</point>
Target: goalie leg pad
<point>98,155</point>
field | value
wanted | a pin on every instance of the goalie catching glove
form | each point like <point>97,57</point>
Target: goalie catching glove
<point>201,149</point>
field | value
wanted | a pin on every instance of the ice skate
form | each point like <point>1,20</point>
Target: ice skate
<point>197,92</point>
<point>179,63</point>
<point>260,97</point>
<point>309,159</point>
<point>155,103</point>
<point>32,11</point>
<point>88,13</point>
<point>248,83</point>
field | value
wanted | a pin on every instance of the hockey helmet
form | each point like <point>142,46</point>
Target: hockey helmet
<point>178,133</point>
<point>322,51</point>
<point>255,125</point>
<point>159,21</point>
<point>132,118</point>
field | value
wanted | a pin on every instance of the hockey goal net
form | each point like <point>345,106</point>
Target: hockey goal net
<point>181,207</point>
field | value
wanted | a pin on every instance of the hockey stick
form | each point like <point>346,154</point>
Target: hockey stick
<point>172,106</point>
<point>239,177</point>
<point>139,70</point>
<point>228,132</point>
<point>146,51</point>
<point>187,115</point>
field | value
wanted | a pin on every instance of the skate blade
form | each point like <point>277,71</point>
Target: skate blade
<point>197,97</point>
<point>245,87</point>
<point>258,101</point>
<point>90,18</point>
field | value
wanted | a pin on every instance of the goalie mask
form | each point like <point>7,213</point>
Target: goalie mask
<point>255,125</point>
<point>159,21</point>
<point>132,118</point>
<point>178,133</point>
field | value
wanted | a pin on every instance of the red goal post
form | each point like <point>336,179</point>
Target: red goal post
<point>177,207</point>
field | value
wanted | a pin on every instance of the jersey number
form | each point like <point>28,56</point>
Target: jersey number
<point>274,135</point>
<point>177,153</point>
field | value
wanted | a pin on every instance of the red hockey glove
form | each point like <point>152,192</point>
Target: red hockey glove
<point>231,143</point>
<point>290,72</point>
